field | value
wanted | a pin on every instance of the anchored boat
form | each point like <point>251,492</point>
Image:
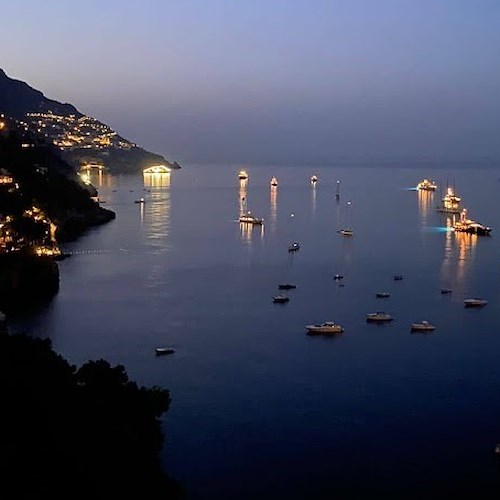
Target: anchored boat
<point>328,327</point>
<point>423,326</point>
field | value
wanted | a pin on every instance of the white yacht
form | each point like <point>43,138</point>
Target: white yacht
<point>426,185</point>
<point>328,327</point>
<point>450,204</point>
<point>378,317</point>
<point>475,302</point>
<point>274,181</point>
<point>248,218</point>
<point>465,225</point>
<point>346,232</point>
<point>423,326</point>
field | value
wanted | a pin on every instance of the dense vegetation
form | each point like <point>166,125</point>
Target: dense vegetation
<point>66,432</point>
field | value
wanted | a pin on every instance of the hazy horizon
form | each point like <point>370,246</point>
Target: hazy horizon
<point>272,82</point>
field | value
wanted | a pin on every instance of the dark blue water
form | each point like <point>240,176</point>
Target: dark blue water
<point>260,409</point>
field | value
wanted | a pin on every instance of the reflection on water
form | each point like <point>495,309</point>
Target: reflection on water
<point>459,253</point>
<point>156,179</point>
<point>242,196</point>
<point>181,281</point>
<point>337,191</point>
<point>424,205</point>
<point>155,220</point>
<point>313,198</point>
<point>98,178</point>
<point>155,213</point>
<point>247,232</point>
<point>274,201</point>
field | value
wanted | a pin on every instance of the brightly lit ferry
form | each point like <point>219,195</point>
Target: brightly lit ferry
<point>426,185</point>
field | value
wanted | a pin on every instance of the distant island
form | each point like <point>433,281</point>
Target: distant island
<point>81,139</point>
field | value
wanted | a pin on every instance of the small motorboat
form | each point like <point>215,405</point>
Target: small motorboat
<point>140,200</point>
<point>378,317</point>
<point>382,295</point>
<point>346,232</point>
<point>398,277</point>
<point>475,302</point>
<point>445,290</point>
<point>423,326</point>
<point>281,299</point>
<point>293,247</point>
<point>314,179</point>
<point>338,277</point>
<point>286,286</point>
<point>326,328</point>
<point>164,350</point>
<point>274,182</point>
<point>242,175</point>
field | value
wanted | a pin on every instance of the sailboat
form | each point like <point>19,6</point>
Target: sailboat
<point>347,231</point>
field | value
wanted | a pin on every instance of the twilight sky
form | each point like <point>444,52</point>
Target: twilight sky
<point>271,81</point>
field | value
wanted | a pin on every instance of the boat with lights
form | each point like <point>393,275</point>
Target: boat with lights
<point>314,179</point>
<point>294,247</point>
<point>465,225</point>
<point>326,328</point>
<point>248,218</point>
<point>426,185</point>
<point>274,182</point>
<point>242,175</point>
<point>450,204</point>
<point>156,169</point>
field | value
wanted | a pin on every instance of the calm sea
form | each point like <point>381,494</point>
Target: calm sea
<point>259,409</point>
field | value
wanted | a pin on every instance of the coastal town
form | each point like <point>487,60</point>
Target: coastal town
<point>69,132</point>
